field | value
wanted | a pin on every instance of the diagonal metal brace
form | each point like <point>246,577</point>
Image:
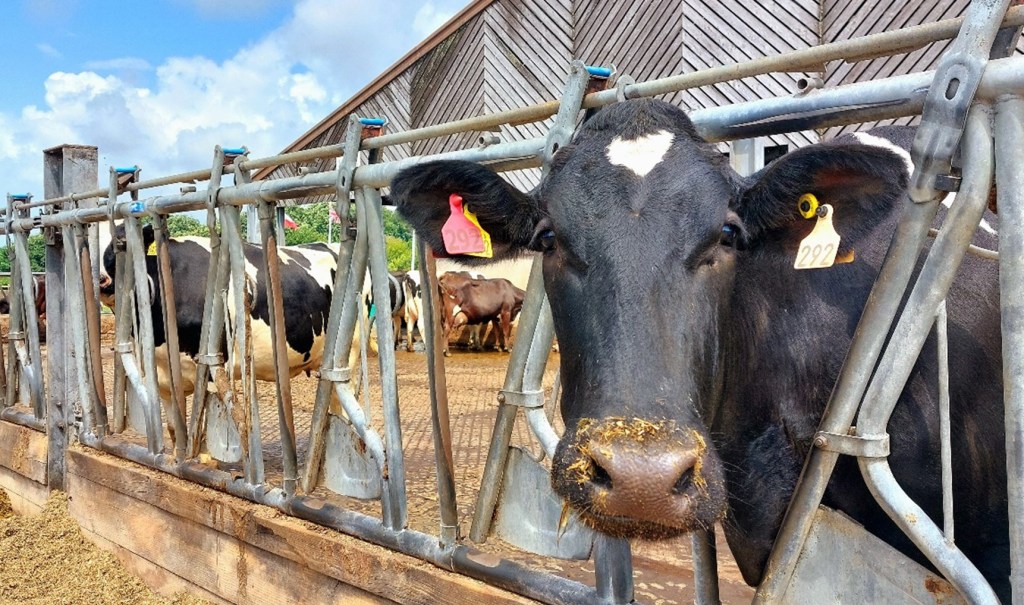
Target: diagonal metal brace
<point>860,446</point>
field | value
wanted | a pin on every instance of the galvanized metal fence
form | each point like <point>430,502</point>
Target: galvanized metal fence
<point>73,396</point>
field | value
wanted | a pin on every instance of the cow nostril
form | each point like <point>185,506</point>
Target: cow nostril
<point>601,478</point>
<point>684,482</point>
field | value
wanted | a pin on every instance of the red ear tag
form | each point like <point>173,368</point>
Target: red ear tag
<point>461,233</point>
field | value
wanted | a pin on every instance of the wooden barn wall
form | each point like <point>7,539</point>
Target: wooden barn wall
<point>527,53</point>
<point>448,84</point>
<point>516,53</point>
<point>844,20</point>
<point>734,31</point>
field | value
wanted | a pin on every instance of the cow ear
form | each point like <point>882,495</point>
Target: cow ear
<point>508,215</point>
<point>859,181</point>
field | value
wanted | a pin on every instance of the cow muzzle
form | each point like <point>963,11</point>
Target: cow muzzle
<point>639,479</point>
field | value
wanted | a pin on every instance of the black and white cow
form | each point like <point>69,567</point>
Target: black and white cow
<point>696,362</point>
<point>307,281</point>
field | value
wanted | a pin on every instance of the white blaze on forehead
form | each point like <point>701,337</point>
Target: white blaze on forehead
<point>870,139</point>
<point>640,155</point>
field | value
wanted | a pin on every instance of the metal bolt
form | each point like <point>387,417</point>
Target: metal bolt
<point>501,398</point>
<point>820,442</point>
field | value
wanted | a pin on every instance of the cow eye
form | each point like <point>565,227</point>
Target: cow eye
<point>730,233</point>
<point>546,239</point>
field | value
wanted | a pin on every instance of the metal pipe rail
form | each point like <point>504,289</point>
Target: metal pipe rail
<point>810,59</point>
<point>899,96</point>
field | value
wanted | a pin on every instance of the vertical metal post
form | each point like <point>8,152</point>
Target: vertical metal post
<point>66,169</point>
<point>1009,127</point>
<point>342,317</point>
<point>176,408</point>
<point>438,396</point>
<point>746,156</point>
<point>275,306</point>
<point>705,567</point>
<point>252,224</point>
<point>497,455</point>
<point>614,580</point>
<point>370,202</point>
<point>211,336</point>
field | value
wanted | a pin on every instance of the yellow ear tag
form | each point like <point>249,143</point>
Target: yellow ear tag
<point>808,205</point>
<point>152,250</point>
<point>818,250</point>
<point>488,250</point>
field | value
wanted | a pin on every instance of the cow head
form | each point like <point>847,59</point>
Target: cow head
<point>643,226</point>
<point>112,242</point>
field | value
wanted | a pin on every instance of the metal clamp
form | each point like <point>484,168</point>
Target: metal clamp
<point>523,399</point>
<point>123,347</point>
<point>336,374</point>
<point>16,336</point>
<point>215,359</point>
<point>621,83</point>
<point>861,446</point>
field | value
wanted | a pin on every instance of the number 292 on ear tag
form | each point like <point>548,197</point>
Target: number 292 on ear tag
<point>818,250</point>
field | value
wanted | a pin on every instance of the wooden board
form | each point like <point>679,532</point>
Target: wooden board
<point>225,544</point>
<point>23,451</point>
<point>221,564</point>
<point>155,577</point>
<point>27,496</point>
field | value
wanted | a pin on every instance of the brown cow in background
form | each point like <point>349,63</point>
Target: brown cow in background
<point>472,301</point>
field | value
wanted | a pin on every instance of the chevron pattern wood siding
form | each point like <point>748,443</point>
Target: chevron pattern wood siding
<point>447,85</point>
<point>734,31</point>
<point>514,53</point>
<point>843,20</point>
<point>527,54</point>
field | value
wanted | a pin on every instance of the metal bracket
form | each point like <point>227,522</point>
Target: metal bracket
<point>123,347</point>
<point>336,375</point>
<point>523,399</point>
<point>16,336</point>
<point>949,98</point>
<point>210,360</point>
<point>866,446</point>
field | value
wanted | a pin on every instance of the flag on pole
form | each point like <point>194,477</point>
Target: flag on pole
<point>289,222</point>
<point>334,216</point>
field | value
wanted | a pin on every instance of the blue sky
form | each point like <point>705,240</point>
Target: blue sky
<point>158,83</point>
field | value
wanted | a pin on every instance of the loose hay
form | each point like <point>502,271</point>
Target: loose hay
<point>44,559</point>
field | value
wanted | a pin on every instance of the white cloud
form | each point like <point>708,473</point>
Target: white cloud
<point>48,50</point>
<point>119,64</point>
<point>429,19</point>
<point>265,96</point>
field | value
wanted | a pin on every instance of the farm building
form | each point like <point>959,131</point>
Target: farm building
<point>501,54</point>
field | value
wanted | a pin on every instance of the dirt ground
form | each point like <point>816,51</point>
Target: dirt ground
<point>45,560</point>
<point>662,571</point>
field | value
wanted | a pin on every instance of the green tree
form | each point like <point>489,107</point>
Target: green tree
<point>399,253</point>
<point>182,225</point>
<point>396,227</point>
<point>36,254</point>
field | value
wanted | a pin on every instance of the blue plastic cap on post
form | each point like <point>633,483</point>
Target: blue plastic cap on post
<point>599,72</point>
<point>373,121</point>
<point>137,207</point>
<point>126,170</point>
<point>235,150</point>
<point>21,197</point>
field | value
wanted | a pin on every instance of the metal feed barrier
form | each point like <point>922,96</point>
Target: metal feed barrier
<point>348,456</point>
